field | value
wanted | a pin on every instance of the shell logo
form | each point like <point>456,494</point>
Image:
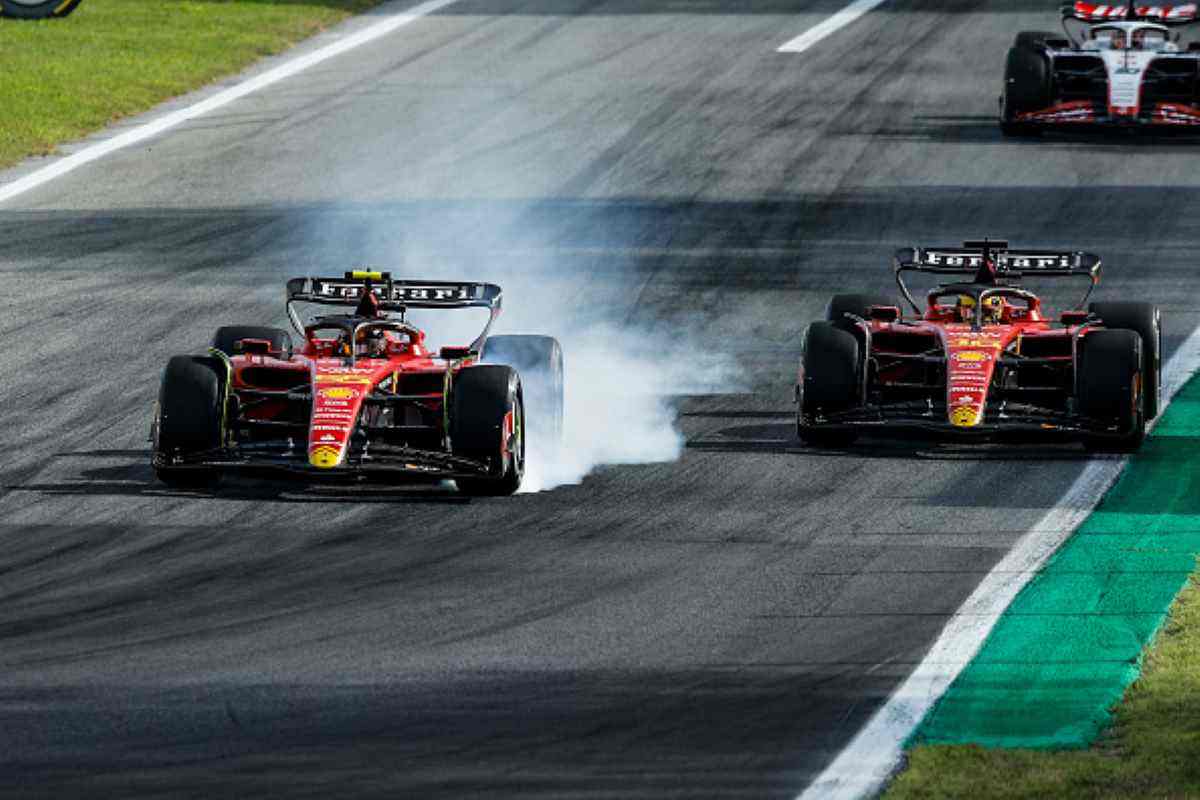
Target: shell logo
<point>324,456</point>
<point>965,417</point>
<point>339,393</point>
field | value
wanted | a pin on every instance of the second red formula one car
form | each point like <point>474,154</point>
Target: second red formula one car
<point>362,395</point>
<point>983,356</point>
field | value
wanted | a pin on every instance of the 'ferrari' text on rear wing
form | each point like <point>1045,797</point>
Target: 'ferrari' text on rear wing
<point>393,295</point>
<point>968,259</point>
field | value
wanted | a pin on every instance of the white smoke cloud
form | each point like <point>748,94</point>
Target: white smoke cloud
<point>621,374</point>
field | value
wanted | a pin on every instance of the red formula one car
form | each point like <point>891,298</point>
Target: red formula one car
<point>982,357</point>
<point>362,394</point>
<point>1124,65</point>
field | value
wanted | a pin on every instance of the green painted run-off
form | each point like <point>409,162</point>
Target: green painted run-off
<point>1066,649</point>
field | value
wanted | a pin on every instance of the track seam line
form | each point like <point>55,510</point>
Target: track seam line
<point>871,758</point>
<point>174,119</point>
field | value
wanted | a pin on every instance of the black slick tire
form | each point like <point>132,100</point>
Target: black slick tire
<point>1110,381</point>
<point>1026,88</point>
<point>1035,38</point>
<point>828,382</point>
<point>481,398</point>
<point>189,419</point>
<point>38,9</point>
<point>539,362</point>
<point>227,337</point>
<point>1145,320</point>
<point>857,304</point>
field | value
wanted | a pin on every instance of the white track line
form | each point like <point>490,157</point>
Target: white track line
<point>286,70</point>
<point>865,765</point>
<point>835,23</point>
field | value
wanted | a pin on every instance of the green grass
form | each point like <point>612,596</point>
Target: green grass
<point>1152,750</point>
<point>62,79</point>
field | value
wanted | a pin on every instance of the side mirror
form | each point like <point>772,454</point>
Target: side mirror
<point>883,313</point>
<point>1074,317</point>
<point>455,353</point>
<point>259,347</point>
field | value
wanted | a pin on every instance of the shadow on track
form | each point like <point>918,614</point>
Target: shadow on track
<point>781,438</point>
<point>135,478</point>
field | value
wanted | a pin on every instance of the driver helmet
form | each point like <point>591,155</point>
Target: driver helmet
<point>993,309</point>
<point>965,308</point>
<point>371,343</point>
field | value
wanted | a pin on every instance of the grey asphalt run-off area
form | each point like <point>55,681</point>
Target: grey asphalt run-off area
<point>718,625</point>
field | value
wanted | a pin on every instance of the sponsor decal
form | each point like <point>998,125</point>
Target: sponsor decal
<point>972,356</point>
<point>970,365</point>
<point>343,378</point>
<point>336,428</point>
<point>329,437</point>
<point>1033,261</point>
<point>335,404</point>
<point>324,456</point>
<point>340,393</point>
<point>429,294</point>
<point>965,417</point>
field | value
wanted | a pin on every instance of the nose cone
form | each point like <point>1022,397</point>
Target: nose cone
<point>969,371</point>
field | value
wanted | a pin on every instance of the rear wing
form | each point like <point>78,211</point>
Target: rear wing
<point>991,261</point>
<point>1180,14</point>
<point>394,295</point>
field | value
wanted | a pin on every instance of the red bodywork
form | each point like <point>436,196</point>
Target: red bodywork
<point>940,354</point>
<point>268,386</point>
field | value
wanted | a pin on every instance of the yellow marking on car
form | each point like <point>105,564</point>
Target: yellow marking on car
<point>965,417</point>
<point>324,457</point>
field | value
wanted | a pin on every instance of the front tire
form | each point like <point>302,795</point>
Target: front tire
<point>829,382</point>
<point>487,423</point>
<point>1026,88</point>
<point>1111,377</point>
<point>189,420</point>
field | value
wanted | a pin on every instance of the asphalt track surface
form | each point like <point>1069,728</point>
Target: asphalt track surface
<point>717,626</point>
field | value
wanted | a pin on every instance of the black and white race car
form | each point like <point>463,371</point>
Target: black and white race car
<point>1116,65</point>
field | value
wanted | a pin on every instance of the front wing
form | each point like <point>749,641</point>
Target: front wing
<point>379,460</point>
<point>928,418</point>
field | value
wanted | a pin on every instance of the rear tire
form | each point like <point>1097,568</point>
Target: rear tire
<point>857,304</point>
<point>828,383</point>
<point>189,418</point>
<point>227,337</point>
<point>1026,88</point>
<point>539,362</point>
<point>1145,320</point>
<point>1035,38</point>
<point>481,399</point>
<point>1111,376</point>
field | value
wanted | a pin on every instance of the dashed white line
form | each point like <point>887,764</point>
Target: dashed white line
<point>832,25</point>
<point>286,70</point>
<point>865,765</point>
